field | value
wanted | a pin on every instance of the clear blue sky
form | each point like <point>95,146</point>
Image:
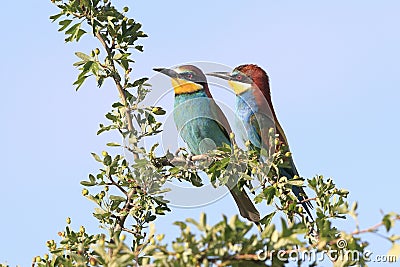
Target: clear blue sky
<point>335,78</point>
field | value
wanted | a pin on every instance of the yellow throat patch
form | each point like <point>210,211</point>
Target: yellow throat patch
<point>184,87</point>
<point>239,87</point>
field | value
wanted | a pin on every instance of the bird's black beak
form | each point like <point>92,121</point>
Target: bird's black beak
<point>168,72</point>
<point>222,75</point>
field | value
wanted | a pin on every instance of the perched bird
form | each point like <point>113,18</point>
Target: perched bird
<point>254,108</point>
<point>201,123</point>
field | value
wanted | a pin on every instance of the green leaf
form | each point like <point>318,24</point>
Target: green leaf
<point>78,63</point>
<point>55,17</point>
<point>75,32</point>
<point>161,210</point>
<point>83,56</point>
<point>158,111</point>
<point>267,218</point>
<point>181,225</point>
<point>79,34</point>
<point>141,162</point>
<point>96,157</point>
<point>86,68</point>
<point>139,81</point>
<point>174,170</point>
<point>100,213</point>
<point>387,222</point>
<point>58,250</point>
<point>151,218</point>
<point>124,64</point>
<point>72,29</point>
<point>125,260</point>
<point>87,183</point>
<point>296,182</point>
<point>195,223</point>
<point>113,144</point>
<point>103,128</point>
<point>223,163</point>
<point>111,117</point>
<point>92,178</point>
<point>107,160</point>
<point>80,81</point>
<point>269,194</point>
<point>118,56</point>
<point>64,24</point>
<point>203,220</point>
<point>195,179</point>
<point>117,105</point>
<point>117,198</point>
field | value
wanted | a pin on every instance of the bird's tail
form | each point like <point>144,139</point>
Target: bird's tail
<point>245,205</point>
<point>299,193</point>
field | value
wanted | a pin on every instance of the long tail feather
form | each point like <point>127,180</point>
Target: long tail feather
<point>299,192</point>
<point>245,205</point>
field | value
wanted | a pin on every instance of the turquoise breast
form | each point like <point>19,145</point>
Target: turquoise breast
<point>196,122</point>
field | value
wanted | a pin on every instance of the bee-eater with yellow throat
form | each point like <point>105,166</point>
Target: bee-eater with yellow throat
<point>201,123</point>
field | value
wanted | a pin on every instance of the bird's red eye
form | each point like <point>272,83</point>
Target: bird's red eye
<point>188,76</point>
<point>239,77</point>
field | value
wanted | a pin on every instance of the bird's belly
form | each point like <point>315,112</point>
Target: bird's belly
<point>246,131</point>
<point>197,126</point>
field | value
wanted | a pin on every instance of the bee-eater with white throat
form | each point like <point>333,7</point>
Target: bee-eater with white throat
<point>253,97</point>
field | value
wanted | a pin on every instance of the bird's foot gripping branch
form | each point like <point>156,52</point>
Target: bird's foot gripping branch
<point>128,191</point>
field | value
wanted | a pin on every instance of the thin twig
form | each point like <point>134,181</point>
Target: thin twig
<point>117,185</point>
<point>121,91</point>
<point>372,228</point>
<point>307,199</point>
<point>182,160</point>
<point>129,231</point>
<point>122,218</point>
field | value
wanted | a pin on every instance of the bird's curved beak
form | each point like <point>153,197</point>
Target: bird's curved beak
<point>222,75</point>
<point>168,72</point>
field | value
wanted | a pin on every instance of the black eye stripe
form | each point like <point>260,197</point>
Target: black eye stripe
<point>188,75</point>
<point>241,78</point>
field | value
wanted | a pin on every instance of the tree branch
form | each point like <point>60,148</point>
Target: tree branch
<point>117,185</point>
<point>180,160</point>
<point>122,218</point>
<point>121,90</point>
<point>372,228</point>
<point>307,199</point>
<point>128,231</point>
